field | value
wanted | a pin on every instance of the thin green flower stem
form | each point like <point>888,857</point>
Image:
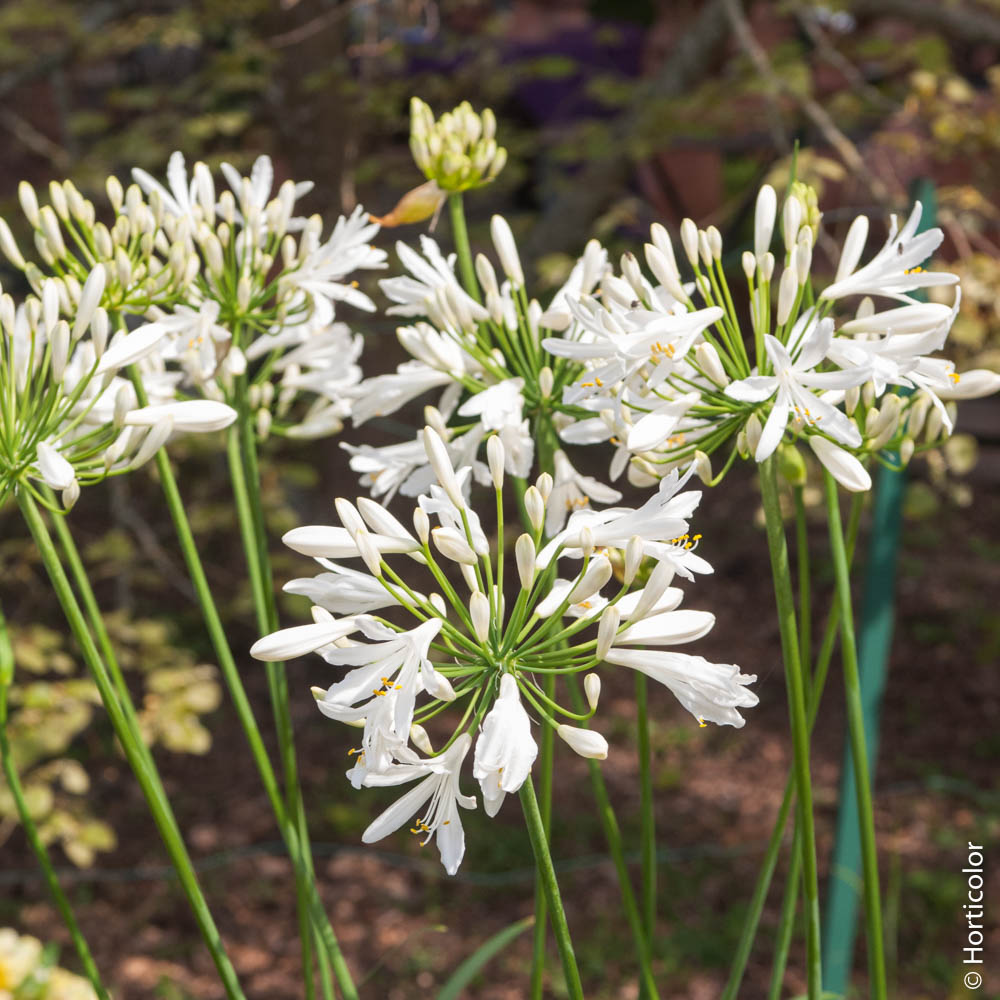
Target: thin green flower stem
<point>759,897</point>
<point>81,580</point>
<point>802,568</point>
<point>785,602</point>
<point>545,757</point>
<point>647,821</point>
<point>460,233</point>
<point>786,925</point>
<point>612,834</point>
<point>244,711</point>
<point>163,815</point>
<point>547,878</point>
<point>859,752</point>
<point>28,823</point>
<point>549,699</point>
<point>728,319</point>
<point>731,312</point>
<point>245,479</point>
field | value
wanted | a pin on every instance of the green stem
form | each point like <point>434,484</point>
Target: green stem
<point>859,752</point>
<point>802,557</point>
<point>759,897</point>
<point>612,834</point>
<point>786,925</point>
<point>245,713</point>
<point>647,835</point>
<point>785,602</point>
<point>460,232</point>
<point>163,816</point>
<point>547,876</point>
<point>28,823</point>
<point>545,756</point>
<point>253,529</point>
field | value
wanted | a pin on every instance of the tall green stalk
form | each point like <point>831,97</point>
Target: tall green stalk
<point>856,731</point>
<point>460,232</point>
<point>28,823</point>
<point>767,869</point>
<point>786,923</point>
<point>330,950</point>
<point>647,826</point>
<point>130,740</point>
<point>545,755</point>
<point>612,834</point>
<point>245,479</point>
<point>785,601</point>
<point>547,875</point>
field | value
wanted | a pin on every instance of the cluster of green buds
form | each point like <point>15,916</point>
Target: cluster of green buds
<point>144,263</point>
<point>458,151</point>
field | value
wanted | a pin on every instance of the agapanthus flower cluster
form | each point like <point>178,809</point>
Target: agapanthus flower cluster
<point>68,416</point>
<point>458,151</point>
<point>477,636</point>
<point>853,389</point>
<point>237,293</point>
<point>484,349</point>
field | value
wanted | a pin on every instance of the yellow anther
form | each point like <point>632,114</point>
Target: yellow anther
<point>702,723</point>
<point>955,377</point>
<point>914,270</point>
<point>598,381</point>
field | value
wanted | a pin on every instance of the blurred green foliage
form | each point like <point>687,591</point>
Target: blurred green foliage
<point>52,703</point>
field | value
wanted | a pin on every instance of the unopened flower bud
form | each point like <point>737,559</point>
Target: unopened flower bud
<point>585,742</point>
<point>791,219</point>
<point>763,222</point>
<point>607,629</point>
<point>714,238</point>
<point>479,611</point>
<point>703,467</point>
<point>440,461</point>
<point>906,449</point>
<point>368,551</point>
<point>689,240</point>
<point>454,546</point>
<point>421,525</point>
<point>753,432</point>
<point>545,382</point>
<point>29,203</point>
<point>534,506</point>
<point>524,553</point>
<point>633,558</point>
<point>708,358</point>
<point>767,266</point>
<point>749,263</point>
<point>420,739</point>
<point>495,459</point>
<point>506,249</point>
<point>632,273</point>
<point>791,465</point>
<point>868,394</point>
<point>544,484</point>
<point>70,495</point>
<point>587,541</point>
<point>263,421</point>
<point>9,246</point>
<point>851,397</point>
<point>592,689</point>
<point>788,290</point>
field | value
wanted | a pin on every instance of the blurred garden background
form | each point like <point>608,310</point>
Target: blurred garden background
<point>615,115</point>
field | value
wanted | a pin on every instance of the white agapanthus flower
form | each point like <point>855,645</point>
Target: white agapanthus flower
<point>69,416</point>
<point>410,654</point>
<point>671,380</point>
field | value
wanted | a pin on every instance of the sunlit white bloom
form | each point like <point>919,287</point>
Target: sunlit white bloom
<point>437,796</point>
<point>895,269</point>
<point>505,750</point>
<point>711,692</point>
<point>791,387</point>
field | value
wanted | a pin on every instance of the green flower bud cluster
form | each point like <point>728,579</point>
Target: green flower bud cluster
<point>143,264</point>
<point>459,150</point>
